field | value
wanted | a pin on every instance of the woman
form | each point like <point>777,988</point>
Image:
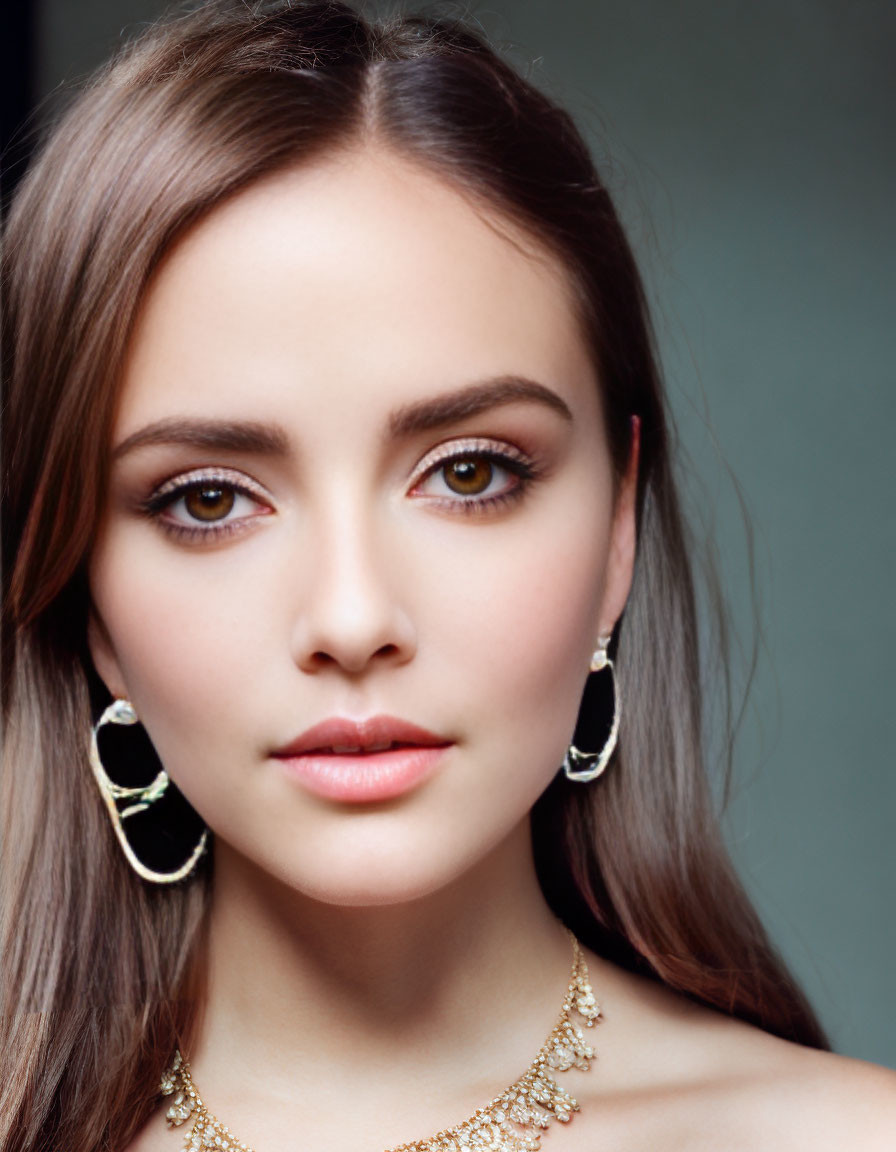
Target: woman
<point>336,465</point>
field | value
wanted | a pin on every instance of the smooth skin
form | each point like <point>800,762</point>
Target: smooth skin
<point>359,467</point>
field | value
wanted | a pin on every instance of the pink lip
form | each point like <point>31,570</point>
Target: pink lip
<point>352,760</point>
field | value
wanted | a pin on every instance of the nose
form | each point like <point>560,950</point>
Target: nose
<point>352,616</point>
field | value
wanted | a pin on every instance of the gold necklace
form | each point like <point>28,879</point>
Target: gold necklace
<point>512,1122</point>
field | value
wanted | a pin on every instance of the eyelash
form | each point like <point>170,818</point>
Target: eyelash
<point>506,457</point>
<point>179,487</point>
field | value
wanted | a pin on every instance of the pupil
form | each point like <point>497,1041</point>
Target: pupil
<point>209,502</point>
<point>468,477</point>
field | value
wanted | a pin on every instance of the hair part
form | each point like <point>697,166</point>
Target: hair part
<point>107,977</point>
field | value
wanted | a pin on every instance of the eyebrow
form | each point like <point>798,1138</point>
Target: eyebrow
<point>456,406</point>
<point>223,435</point>
<point>259,439</point>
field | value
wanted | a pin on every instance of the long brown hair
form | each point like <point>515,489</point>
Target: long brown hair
<point>102,972</point>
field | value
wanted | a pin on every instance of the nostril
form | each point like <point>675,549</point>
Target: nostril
<point>321,659</point>
<point>335,633</point>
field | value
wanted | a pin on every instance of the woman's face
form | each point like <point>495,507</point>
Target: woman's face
<point>359,476</point>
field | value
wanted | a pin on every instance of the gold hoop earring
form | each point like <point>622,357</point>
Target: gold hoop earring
<point>122,712</point>
<point>579,765</point>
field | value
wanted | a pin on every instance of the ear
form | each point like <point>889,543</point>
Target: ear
<point>621,559</point>
<point>105,661</point>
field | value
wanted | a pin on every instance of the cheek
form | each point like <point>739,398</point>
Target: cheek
<point>179,627</point>
<point>516,630</point>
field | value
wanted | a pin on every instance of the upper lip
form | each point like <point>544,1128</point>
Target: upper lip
<point>376,733</point>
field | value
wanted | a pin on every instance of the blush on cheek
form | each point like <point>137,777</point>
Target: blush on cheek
<point>554,664</point>
<point>529,644</point>
<point>179,669</point>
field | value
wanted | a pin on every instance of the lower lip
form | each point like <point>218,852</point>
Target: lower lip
<point>364,777</point>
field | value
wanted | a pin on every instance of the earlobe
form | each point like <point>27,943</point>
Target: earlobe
<point>103,655</point>
<point>623,535</point>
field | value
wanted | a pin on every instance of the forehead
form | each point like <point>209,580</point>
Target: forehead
<point>359,275</point>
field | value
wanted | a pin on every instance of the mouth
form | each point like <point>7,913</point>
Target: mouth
<point>355,749</point>
<point>341,736</point>
<point>361,761</point>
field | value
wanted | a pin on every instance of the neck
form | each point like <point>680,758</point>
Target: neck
<point>479,966</point>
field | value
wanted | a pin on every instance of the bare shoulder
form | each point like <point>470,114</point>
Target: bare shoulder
<point>695,1080</point>
<point>820,1100</point>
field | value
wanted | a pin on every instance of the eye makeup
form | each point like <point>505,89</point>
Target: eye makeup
<point>206,504</point>
<point>467,476</point>
<point>473,475</point>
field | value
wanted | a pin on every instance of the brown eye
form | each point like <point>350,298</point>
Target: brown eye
<point>209,502</point>
<point>473,476</point>
<point>470,476</point>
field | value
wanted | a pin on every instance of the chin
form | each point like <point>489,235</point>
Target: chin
<point>375,884</point>
<point>361,892</point>
<point>376,860</point>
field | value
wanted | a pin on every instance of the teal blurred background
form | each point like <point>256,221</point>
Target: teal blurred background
<point>750,148</point>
